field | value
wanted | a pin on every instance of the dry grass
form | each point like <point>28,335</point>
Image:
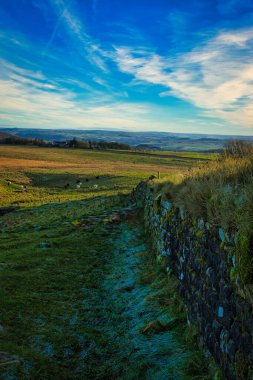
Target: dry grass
<point>221,193</point>
<point>22,158</point>
<point>87,165</point>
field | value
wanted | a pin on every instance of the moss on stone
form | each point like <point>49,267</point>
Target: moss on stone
<point>199,234</point>
<point>244,258</point>
<point>233,274</point>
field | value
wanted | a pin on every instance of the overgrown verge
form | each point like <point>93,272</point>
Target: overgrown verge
<point>221,193</point>
<point>210,257</point>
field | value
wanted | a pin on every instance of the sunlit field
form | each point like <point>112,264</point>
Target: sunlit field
<point>45,172</point>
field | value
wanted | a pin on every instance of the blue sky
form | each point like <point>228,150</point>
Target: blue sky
<point>138,65</point>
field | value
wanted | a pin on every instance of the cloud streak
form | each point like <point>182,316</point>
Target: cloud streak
<point>75,28</point>
<point>28,99</point>
<point>215,76</point>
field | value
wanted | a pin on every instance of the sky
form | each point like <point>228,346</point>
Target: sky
<point>135,65</point>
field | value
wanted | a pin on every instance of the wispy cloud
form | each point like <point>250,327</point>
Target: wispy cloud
<point>28,99</point>
<point>215,76</point>
<point>89,62</point>
<point>75,28</point>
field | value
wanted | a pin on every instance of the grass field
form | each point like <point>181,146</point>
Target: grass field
<point>76,295</point>
<point>45,172</point>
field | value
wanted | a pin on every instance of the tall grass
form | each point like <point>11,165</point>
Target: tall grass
<point>221,192</point>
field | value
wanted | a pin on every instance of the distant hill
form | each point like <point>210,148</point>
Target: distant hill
<point>147,147</point>
<point>151,140</point>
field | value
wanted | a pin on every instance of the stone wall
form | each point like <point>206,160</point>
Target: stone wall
<point>203,258</point>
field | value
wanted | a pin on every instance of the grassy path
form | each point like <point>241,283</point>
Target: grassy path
<point>146,347</point>
<point>80,298</point>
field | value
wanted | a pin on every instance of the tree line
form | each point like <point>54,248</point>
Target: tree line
<point>15,140</point>
<point>74,143</point>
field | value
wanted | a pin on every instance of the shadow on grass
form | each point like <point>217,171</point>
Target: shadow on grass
<point>74,181</point>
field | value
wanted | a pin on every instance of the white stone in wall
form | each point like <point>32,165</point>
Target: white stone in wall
<point>221,234</point>
<point>181,213</point>
<point>220,312</point>
<point>166,205</point>
<point>182,259</point>
<point>234,261</point>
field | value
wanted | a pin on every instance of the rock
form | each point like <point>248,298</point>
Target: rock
<point>246,343</point>
<point>234,261</point>
<point>225,292</point>
<point>217,327</point>
<point>166,205</point>
<point>201,224</point>
<point>182,213</point>
<point>231,349</point>
<point>235,330</point>
<point>223,340</point>
<point>243,309</point>
<point>221,234</point>
<point>249,325</point>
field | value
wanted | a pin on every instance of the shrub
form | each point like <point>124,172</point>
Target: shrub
<point>237,148</point>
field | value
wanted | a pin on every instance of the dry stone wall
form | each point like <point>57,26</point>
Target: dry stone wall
<point>203,258</point>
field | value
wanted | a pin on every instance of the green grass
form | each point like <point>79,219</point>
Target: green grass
<point>45,171</point>
<point>76,309</point>
<point>59,273</point>
<point>47,260</point>
<point>199,364</point>
<point>72,155</point>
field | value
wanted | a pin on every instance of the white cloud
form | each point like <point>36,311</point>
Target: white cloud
<point>216,76</point>
<point>235,38</point>
<point>27,99</point>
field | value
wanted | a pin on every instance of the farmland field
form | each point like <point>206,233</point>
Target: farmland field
<point>45,172</point>
<point>80,295</point>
